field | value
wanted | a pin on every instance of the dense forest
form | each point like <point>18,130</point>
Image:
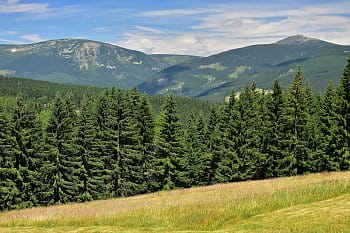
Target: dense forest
<point>113,145</point>
<point>43,92</point>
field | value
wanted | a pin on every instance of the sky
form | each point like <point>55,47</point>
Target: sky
<point>196,27</point>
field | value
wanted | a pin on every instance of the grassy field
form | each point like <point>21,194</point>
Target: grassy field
<point>314,203</point>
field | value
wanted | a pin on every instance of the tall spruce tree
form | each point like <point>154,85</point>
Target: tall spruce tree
<point>91,161</point>
<point>329,128</point>
<point>246,140</point>
<point>343,118</point>
<point>295,118</point>
<point>264,159</point>
<point>147,133</point>
<point>197,150</point>
<point>275,133</point>
<point>171,159</point>
<point>9,175</point>
<point>63,163</point>
<point>27,132</point>
<point>224,151</point>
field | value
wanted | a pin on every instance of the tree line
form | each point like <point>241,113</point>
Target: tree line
<point>115,146</point>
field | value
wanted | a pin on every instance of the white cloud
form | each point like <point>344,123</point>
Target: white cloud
<point>13,6</point>
<point>224,27</point>
<point>32,37</point>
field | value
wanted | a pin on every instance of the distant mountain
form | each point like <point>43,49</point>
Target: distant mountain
<point>214,76</point>
<point>302,40</point>
<point>83,62</point>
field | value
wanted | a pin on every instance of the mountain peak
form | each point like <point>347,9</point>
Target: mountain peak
<point>300,40</point>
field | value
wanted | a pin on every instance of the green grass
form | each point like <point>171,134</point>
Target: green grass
<point>312,203</point>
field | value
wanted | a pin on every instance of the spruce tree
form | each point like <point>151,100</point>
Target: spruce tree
<point>295,118</point>
<point>147,133</point>
<point>171,161</point>
<point>329,129</point>
<point>9,175</point>
<point>343,118</point>
<point>275,147</point>
<point>246,140</point>
<point>63,163</point>
<point>264,160</point>
<point>27,132</point>
<point>197,150</point>
<point>91,161</point>
<point>224,151</point>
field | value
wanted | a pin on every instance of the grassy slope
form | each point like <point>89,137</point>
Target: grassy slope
<point>312,203</point>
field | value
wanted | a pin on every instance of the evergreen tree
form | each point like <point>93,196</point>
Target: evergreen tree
<point>329,128</point>
<point>28,138</point>
<point>62,158</point>
<point>104,134</point>
<point>147,133</point>
<point>264,159</point>
<point>9,176</point>
<point>295,118</point>
<point>170,150</point>
<point>246,140</point>
<point>224,151</point>
<point>91,162</point>
<point>197,150</point>
<point>276,131</point>
<point>343,118</point>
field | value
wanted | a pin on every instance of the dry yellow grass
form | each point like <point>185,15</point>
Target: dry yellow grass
<point>312,203</point>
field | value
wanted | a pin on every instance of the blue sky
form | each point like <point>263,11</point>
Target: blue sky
<point>199,27</point>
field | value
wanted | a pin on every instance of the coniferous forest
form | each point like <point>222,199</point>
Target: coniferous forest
<point>114,145</point>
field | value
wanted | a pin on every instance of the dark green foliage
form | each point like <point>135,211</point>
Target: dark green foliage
<point>343,119</point>
<point>27,132</point>
<point>8,173</point>
<point>114,146</point>
<point>62,157</point>
<point>275,132</point>
<point>91,160</point>
<point>295,120</point>
<point>172,163</point>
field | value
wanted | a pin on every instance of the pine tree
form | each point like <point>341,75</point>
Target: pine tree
<point>147,133</point>
<point>224,151</point>
<point>28,138</point>
<point>104,133</point>
<point>169,149</point>
<point>312,134</point>
<point>62,162</point>
<point>246,140</point>
<point>275,133</point>
<point>264,160</point>
<point>8,173</point>
<point>197,150</point>
<point>91,162</point>
<point>343,118</point>
<point>295,118</point>
<point>329,129</point>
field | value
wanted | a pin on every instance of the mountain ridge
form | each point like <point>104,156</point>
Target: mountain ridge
<point>89,62</point>
<point>82,61</point>
<point>213,77</point>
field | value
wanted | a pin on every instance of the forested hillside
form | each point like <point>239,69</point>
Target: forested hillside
<point>83,62</point>
<point>213,77</point>
<point>42,92</point>
<point>114,146</point>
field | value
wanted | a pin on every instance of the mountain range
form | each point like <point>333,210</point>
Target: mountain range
<point>83,62</point>
<point>100,64</point>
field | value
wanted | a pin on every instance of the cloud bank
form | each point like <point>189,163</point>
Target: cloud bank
<point>223,27</point>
